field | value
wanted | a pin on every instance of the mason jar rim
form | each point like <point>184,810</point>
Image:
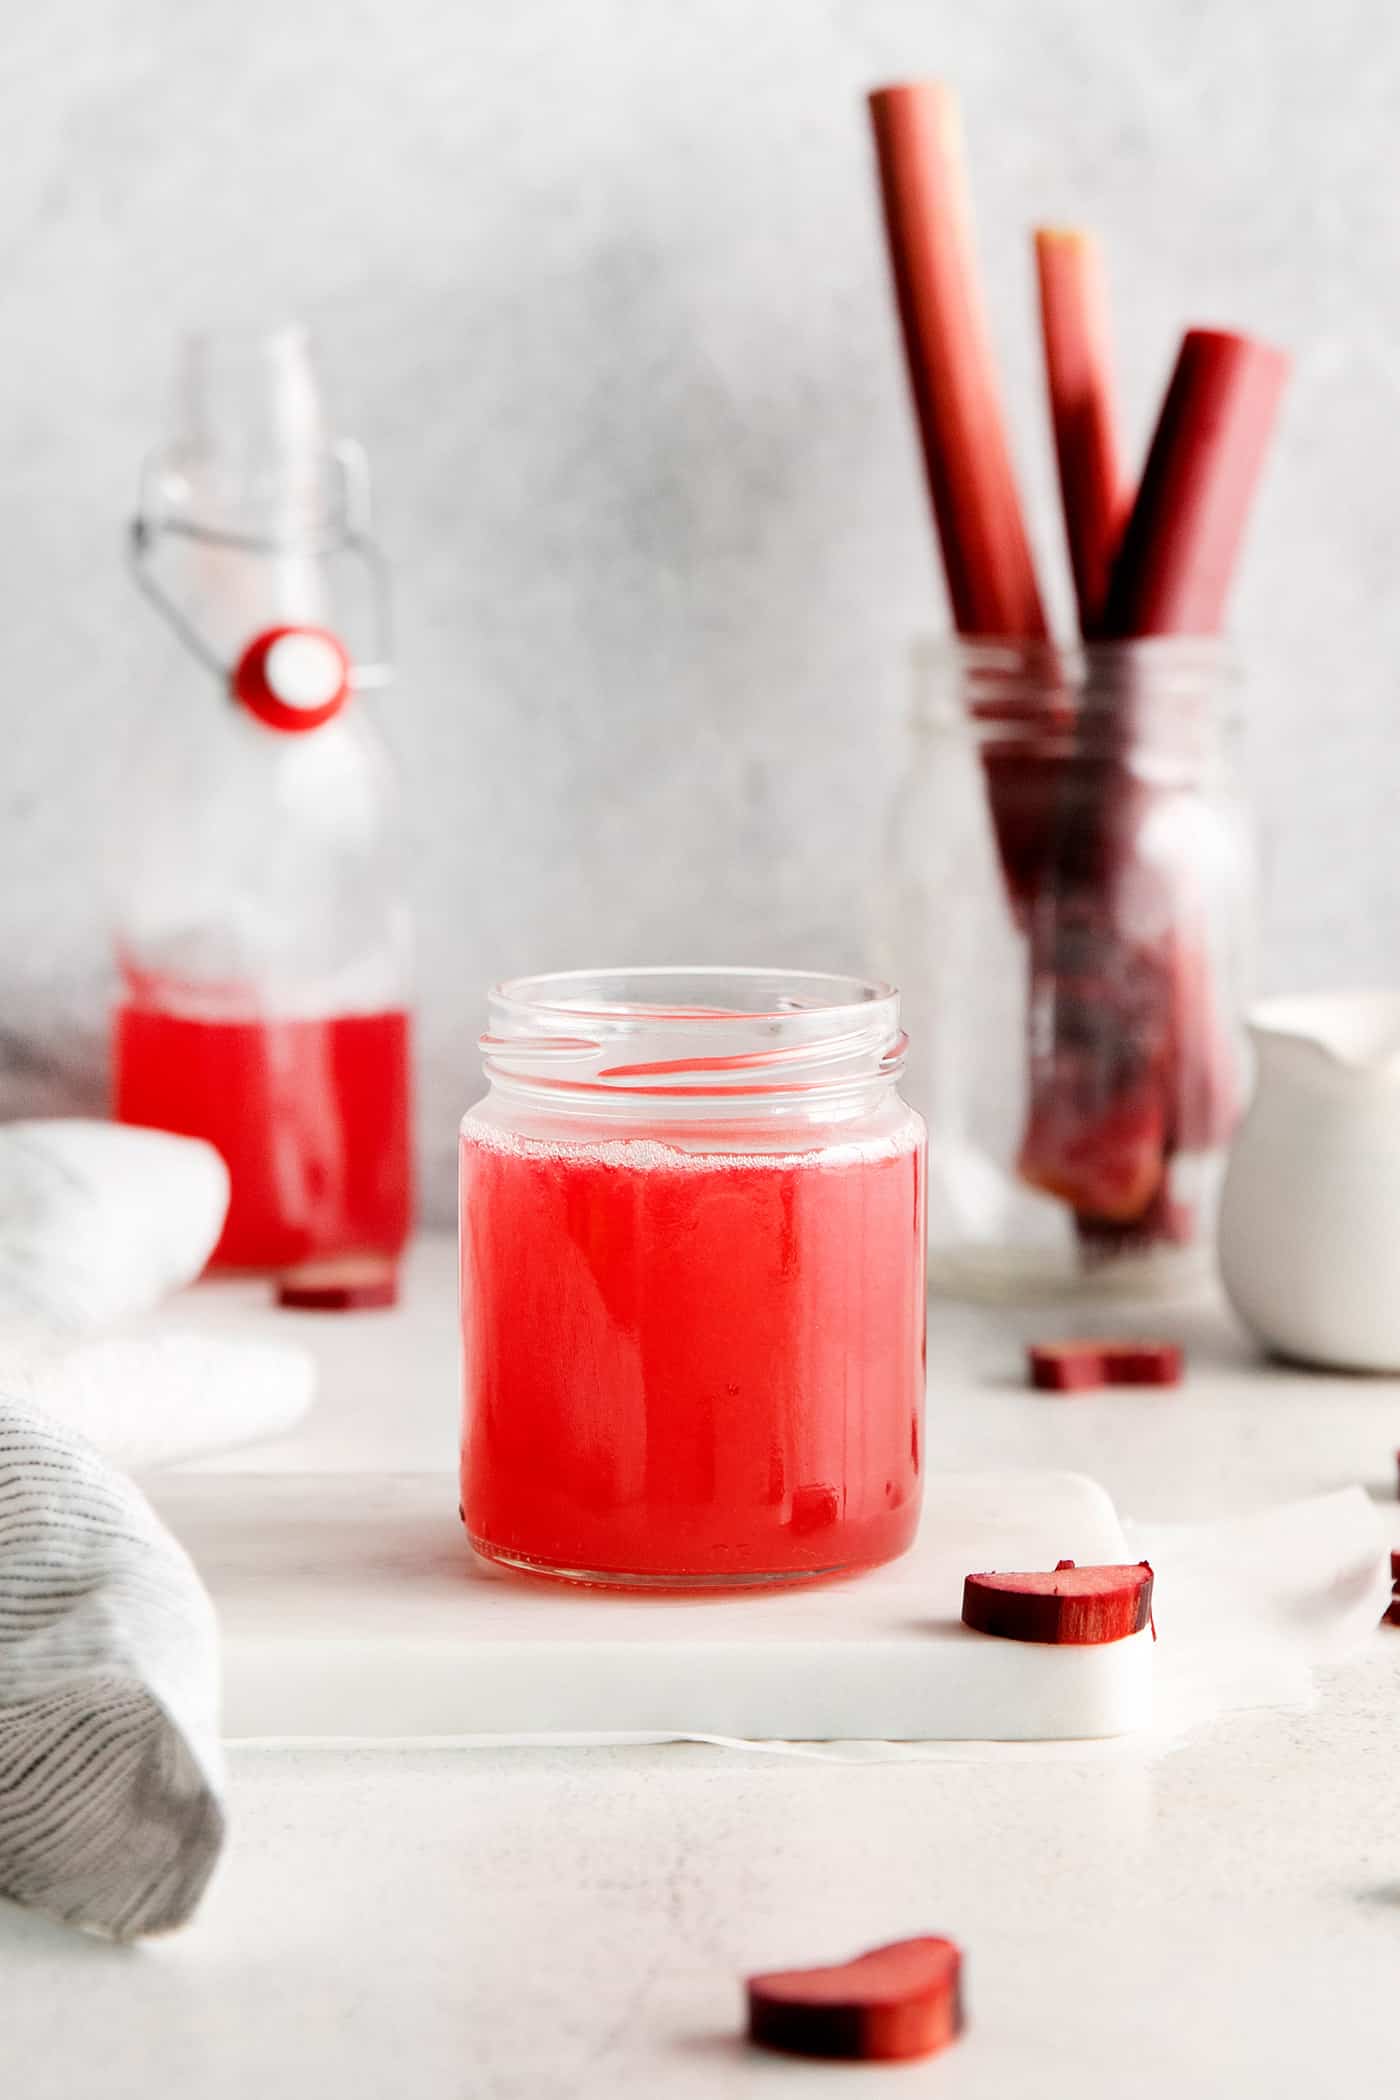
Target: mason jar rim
<point>691,1033</point>
<point>1211,654</point>
<point>527,994</point>
<point>1177,693</point>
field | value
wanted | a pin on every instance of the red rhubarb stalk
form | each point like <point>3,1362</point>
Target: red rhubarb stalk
<point>1135,1066</point>
<point>1079,372</point>
<point>1181,544</point>
<point>952,371</point>
<point>957,400</point>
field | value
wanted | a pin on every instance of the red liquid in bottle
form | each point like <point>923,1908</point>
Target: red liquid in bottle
<point>311,1116</point>
<point>702,1368</point>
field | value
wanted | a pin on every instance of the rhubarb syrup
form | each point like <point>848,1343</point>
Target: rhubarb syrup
<point>692,1368</point>
<point>311,1116</point>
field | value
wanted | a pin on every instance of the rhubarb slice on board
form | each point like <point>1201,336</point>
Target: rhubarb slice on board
<point>1067,1607</point>
<point>895,2003</point>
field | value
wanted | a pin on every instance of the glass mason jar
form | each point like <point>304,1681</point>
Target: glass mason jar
<point>1069,907</point>
<point>261,932</point>
<point>692,1249</point>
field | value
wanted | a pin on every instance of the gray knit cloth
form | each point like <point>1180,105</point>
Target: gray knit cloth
<point>111,1814</point>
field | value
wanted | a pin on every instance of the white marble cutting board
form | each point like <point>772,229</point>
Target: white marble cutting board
<point>352,1607</point>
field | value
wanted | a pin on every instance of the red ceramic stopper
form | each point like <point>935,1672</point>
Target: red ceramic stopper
<point>292,678</point>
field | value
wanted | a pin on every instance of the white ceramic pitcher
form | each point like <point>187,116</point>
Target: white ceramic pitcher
<point>1310,1218</point>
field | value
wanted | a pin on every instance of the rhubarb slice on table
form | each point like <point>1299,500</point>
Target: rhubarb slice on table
<point>1068,1607</point>
<point>1066,1367</point>
<point>1143,1363</point>
<point>353,1284</point>
<point>1080,1366</point>
<point>895,2003</point>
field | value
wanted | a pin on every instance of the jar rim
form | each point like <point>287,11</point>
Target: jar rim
<point>1215,654</point>
<point>1171,694</point>
<point>703,1031</point>
<point>527,995</point>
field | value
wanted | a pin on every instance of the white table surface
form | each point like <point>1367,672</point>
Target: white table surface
<point>464,1925</point>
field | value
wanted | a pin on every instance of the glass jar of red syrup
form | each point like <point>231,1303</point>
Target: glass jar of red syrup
<point>1070,908</point>
<point>261,933</point>
<point>692,1280</point>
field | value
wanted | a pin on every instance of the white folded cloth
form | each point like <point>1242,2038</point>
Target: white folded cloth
<point>153,1400</point>
<point>98,1220</point>
<point>110,1769</point>
<point>111,1811</point>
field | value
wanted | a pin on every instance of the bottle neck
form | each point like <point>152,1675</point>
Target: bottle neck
<point>250,451</point>
<point>246,495</point>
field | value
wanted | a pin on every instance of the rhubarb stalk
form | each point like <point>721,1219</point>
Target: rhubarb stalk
<point>1134,1067</point>
<point>1182,541</point>
<point>1074,324</point>
<point>952,376</point>
<point>952,371</point>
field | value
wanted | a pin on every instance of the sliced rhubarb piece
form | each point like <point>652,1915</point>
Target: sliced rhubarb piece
<point>1392,1613</point>
<point>1181,543</point>
<point>1394,1565</point>
<point>1079,1607</point>
<point>952,369</point>
<point>897,2002</point>
<point>1074,324</point>
<point>1081,1365</point>
<point>1143,1363</point>
<point>1065,1367</point>
<point>352,1285</point>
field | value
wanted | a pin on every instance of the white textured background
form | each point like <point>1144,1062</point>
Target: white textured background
<point>600,284</point>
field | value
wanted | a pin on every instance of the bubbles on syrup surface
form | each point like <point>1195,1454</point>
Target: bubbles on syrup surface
<point>639,1155</point>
